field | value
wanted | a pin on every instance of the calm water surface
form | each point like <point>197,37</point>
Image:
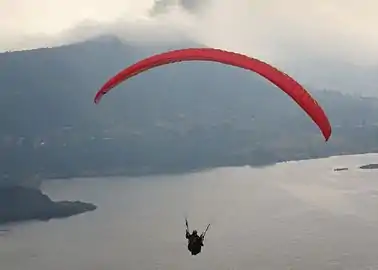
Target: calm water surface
<point>296,215</point>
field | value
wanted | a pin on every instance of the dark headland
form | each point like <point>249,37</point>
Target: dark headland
<point>23,203</point>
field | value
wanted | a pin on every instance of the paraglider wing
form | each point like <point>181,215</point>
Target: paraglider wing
<point>280,79</point>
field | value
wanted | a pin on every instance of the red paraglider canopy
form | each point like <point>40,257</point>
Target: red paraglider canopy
<point>291,87</point>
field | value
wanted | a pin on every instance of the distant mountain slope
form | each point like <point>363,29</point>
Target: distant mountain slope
<point>174,118</point>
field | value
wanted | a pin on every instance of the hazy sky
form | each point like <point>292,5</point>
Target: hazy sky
<point>290,31</point>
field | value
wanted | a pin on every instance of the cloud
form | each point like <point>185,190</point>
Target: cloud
<point>311,39</point>
<point>163,6</point>
<point>271,28</point>
<point>330,27</point>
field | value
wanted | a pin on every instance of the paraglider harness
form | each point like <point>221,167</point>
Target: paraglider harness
<point>195,242</point>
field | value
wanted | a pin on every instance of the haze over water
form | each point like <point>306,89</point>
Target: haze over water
<point>301,215</point>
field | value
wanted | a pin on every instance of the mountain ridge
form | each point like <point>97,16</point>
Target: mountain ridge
<point>176,118</point>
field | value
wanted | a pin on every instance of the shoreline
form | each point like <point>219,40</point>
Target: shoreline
<point>163,172</point>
